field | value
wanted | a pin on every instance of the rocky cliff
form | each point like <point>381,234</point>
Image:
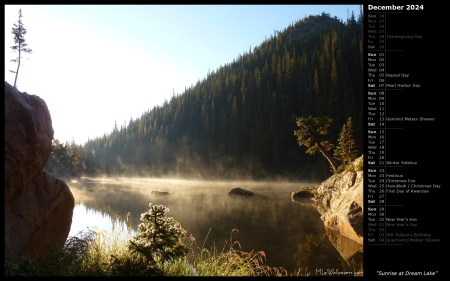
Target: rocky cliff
<point>340,203</point>
<point>38,206</point>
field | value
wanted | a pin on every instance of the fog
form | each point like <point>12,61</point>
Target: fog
<point>269,221</point>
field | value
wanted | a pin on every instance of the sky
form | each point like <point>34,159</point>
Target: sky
<point>98,65</point>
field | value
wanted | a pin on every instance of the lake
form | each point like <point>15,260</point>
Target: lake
<point>269,221</point>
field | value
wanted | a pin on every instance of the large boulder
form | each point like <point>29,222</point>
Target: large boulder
<point>38,207</point>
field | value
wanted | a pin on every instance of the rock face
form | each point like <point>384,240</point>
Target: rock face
<point>340,203</point>
<point>38,207</point>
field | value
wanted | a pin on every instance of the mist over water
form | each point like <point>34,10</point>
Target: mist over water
<point>269,221</point>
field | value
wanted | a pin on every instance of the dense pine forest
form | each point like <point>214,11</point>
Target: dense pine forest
<point>239,121</point>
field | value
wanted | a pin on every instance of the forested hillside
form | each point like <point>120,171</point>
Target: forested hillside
<point>239,120</point>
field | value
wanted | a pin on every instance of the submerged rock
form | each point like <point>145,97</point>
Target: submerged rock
<point>302,195</point>
<point>240,191</point>
<point>159,193</point>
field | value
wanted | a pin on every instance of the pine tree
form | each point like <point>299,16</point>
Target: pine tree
<point>346,150</point>
<point>20,46</point>
<point>159,238</point>
<point>310,132</point>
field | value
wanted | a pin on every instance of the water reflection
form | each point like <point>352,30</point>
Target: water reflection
<point>317,257</point>
<point>85,218</point>
<point>268,221</point>
<point>350,251</point>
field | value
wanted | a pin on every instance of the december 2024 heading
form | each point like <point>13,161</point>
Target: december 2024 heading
<point>395,8</point>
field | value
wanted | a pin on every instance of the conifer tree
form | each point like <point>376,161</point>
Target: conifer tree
<point>346,150</point>
<point>159,238</point>
<point>19,44</point>
<point>310,133</point>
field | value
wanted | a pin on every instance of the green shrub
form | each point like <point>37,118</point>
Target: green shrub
<point>159,238</point>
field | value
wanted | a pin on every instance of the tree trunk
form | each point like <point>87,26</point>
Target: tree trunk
<point>17,71</point>
<point>327,155</point>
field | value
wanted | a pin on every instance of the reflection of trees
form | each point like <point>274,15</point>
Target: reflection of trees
<point>316,254</point>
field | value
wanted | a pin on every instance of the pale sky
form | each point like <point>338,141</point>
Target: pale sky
<point>97,64</point>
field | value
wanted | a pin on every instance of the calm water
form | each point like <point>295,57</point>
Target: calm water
<point>268,222</point>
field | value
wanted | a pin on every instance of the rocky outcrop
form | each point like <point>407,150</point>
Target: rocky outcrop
<point>38,207</point>
<point>340,203</point>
